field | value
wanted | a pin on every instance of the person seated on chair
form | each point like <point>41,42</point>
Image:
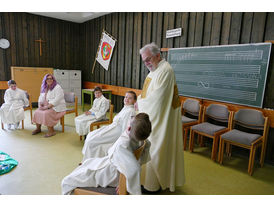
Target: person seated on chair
<point>97,112</point>
<point>105,171</point>
<point>99,141</point>
<point>12,111</point>
<point>52,105</point>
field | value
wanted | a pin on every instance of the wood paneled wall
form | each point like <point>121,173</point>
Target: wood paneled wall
<point>134,30</point>
<point>61,49</point>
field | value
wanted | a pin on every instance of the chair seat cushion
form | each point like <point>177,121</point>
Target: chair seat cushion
<point>104,190</point>
<point>187,119</point>
<point>240,137</point>
<point>207,128</point>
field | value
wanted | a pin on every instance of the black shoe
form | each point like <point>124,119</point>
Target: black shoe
<point>145,191</point>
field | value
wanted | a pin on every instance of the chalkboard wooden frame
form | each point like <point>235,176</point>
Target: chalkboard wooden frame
<point>227,73</point>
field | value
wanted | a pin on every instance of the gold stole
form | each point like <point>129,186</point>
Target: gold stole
<point>145,87</point>
<point>176,99</point>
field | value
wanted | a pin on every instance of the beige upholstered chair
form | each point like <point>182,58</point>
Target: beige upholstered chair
<point>217,113</point>
<point>191,114</point>
<point>249,130</point>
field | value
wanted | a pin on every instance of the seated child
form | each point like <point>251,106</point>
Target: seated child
<point>12,111</point>
<point>99,141</point>
<point>105,171</point>
<point>97,112</point>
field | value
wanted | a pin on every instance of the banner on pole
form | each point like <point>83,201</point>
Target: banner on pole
<point>106,49</point>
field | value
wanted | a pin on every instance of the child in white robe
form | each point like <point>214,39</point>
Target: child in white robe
<point>12,111</point>
<point>100,140</point>
<point>105,171</point>
<point>97,112</point>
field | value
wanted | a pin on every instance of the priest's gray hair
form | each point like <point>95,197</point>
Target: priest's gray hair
<point>154,49</point>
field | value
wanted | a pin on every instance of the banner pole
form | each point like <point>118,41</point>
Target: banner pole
<point>97,52</point>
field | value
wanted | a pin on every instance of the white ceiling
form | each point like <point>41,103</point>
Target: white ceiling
<point>78,17</point>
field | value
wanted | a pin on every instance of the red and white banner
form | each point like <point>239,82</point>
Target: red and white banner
<point>105,50</point>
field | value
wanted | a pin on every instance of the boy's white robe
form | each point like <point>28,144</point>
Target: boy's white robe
<point>100,140</point>
<point>99,108</point>
<point>105,171</point>
<point>160,100</point>
<point>12,110</point>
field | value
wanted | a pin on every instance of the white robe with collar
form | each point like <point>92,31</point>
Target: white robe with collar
<point>105,171</point>
<point>100,140</point>
<point>160,100</point>
<point>99,108</point>
<point>12,110</point>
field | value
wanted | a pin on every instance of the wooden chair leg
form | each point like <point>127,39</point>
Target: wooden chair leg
<point>214,148</point>
<point>30,116</point>
<point>262,155</point>
<point>251,160</point>
<point>185,138</point>
<point>62,121</point>
<point>2,125</point>
<point>80,138</point>
<point>191,140</point>
<point>22,124</point>
<point>221,151</point>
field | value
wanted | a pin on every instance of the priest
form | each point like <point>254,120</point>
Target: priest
<point>160,100</point>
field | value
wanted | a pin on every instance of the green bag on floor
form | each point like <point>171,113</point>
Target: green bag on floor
<point>6,163</point>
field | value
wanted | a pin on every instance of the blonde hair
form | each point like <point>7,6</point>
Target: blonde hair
<point>141,126</point>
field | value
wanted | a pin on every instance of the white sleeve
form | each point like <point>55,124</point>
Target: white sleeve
<point>7,97</point>
<point>59,95</point>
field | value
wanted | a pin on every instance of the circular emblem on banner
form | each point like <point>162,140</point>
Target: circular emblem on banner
<point>106,50</point>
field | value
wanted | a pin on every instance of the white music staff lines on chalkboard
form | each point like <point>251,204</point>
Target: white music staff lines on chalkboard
<point>224,56</point>
<point>228,73</point>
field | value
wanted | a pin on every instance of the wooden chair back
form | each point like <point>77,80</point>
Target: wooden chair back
<point>70,97</point>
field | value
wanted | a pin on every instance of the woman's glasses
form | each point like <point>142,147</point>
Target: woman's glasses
<point>49,79</point>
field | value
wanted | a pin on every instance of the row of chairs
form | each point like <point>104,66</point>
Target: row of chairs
<point>246,128</point>
<point>71,98</point>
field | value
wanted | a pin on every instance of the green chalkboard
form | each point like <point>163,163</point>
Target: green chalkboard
<point>231,73</point>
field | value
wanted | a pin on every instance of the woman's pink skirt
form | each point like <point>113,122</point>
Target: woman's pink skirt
<point>47,117</point>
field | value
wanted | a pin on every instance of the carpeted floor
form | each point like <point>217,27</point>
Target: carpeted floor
<point>44,162</point>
